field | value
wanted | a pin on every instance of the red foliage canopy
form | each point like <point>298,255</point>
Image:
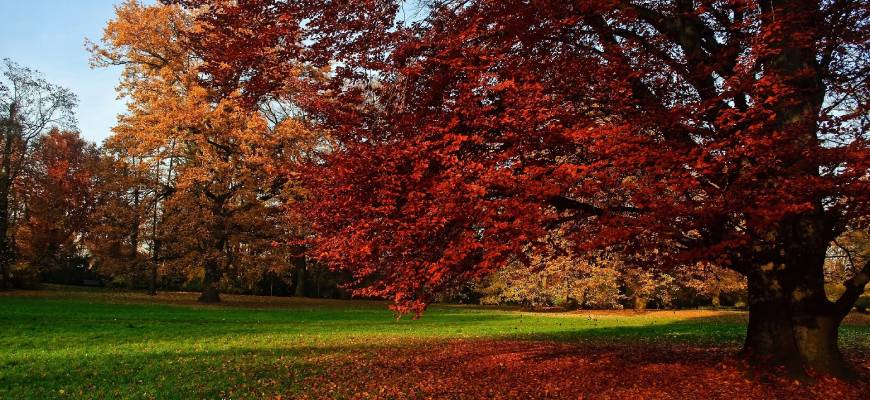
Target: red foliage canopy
<point>57,193</point>
<point>735,131</point>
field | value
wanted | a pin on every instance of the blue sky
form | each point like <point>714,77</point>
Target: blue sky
<point>48,35</point>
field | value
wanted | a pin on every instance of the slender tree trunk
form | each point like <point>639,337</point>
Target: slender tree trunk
<point>134,239</point>
<point>159,194</point>
<point>152,278</point>
<point>6,250</point>
<point>6,253</point>
<point>155,251</point>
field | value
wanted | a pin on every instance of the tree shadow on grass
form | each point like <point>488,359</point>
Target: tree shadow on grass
<point>475,369</point>
<point>639,362</point>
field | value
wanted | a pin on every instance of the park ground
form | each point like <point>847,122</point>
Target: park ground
<point>75,344</point>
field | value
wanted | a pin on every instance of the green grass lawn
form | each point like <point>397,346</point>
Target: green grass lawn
<point>93,344</point>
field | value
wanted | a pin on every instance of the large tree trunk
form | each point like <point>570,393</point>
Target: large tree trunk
<point>216,252</point>
<point>299,266</point>
<point>210,282</point>
<point>791,321</point>
<point>300,279</point>
<point>638,302</point>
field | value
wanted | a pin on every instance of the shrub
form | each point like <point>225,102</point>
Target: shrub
<point>863,304</point>
<point>24,276</point>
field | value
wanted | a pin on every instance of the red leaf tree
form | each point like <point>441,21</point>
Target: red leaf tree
<point>57,196</point>
<point>726,131</point>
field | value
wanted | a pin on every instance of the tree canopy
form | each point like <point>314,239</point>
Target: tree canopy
<point>730,132</point>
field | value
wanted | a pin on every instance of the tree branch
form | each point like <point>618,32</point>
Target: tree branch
<point>563,203</point>
<point>854,289</point>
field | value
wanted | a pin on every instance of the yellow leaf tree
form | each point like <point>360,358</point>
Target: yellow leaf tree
<point>219,171</point>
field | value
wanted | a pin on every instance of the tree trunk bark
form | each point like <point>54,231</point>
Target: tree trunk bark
<point>215,249</point>
<point>210,281</point>
<point>6,250</point>
<point>134,241</point>
<point>639,302</point>
<point>716,299</point>
<point>6,253</point>
<point>300,282</point>
<point>770,334</point>
<point>152,278</point>
<point>300,277</point>
<point>791,323</point>
<point>817,341</point>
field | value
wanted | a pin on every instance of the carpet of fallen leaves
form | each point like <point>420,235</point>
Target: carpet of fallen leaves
<point>499,369</point>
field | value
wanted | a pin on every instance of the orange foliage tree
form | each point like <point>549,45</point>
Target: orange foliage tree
<point>121,218</point>
<point>217,177</point>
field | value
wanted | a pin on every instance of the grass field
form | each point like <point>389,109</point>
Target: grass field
<point>94,344</point>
